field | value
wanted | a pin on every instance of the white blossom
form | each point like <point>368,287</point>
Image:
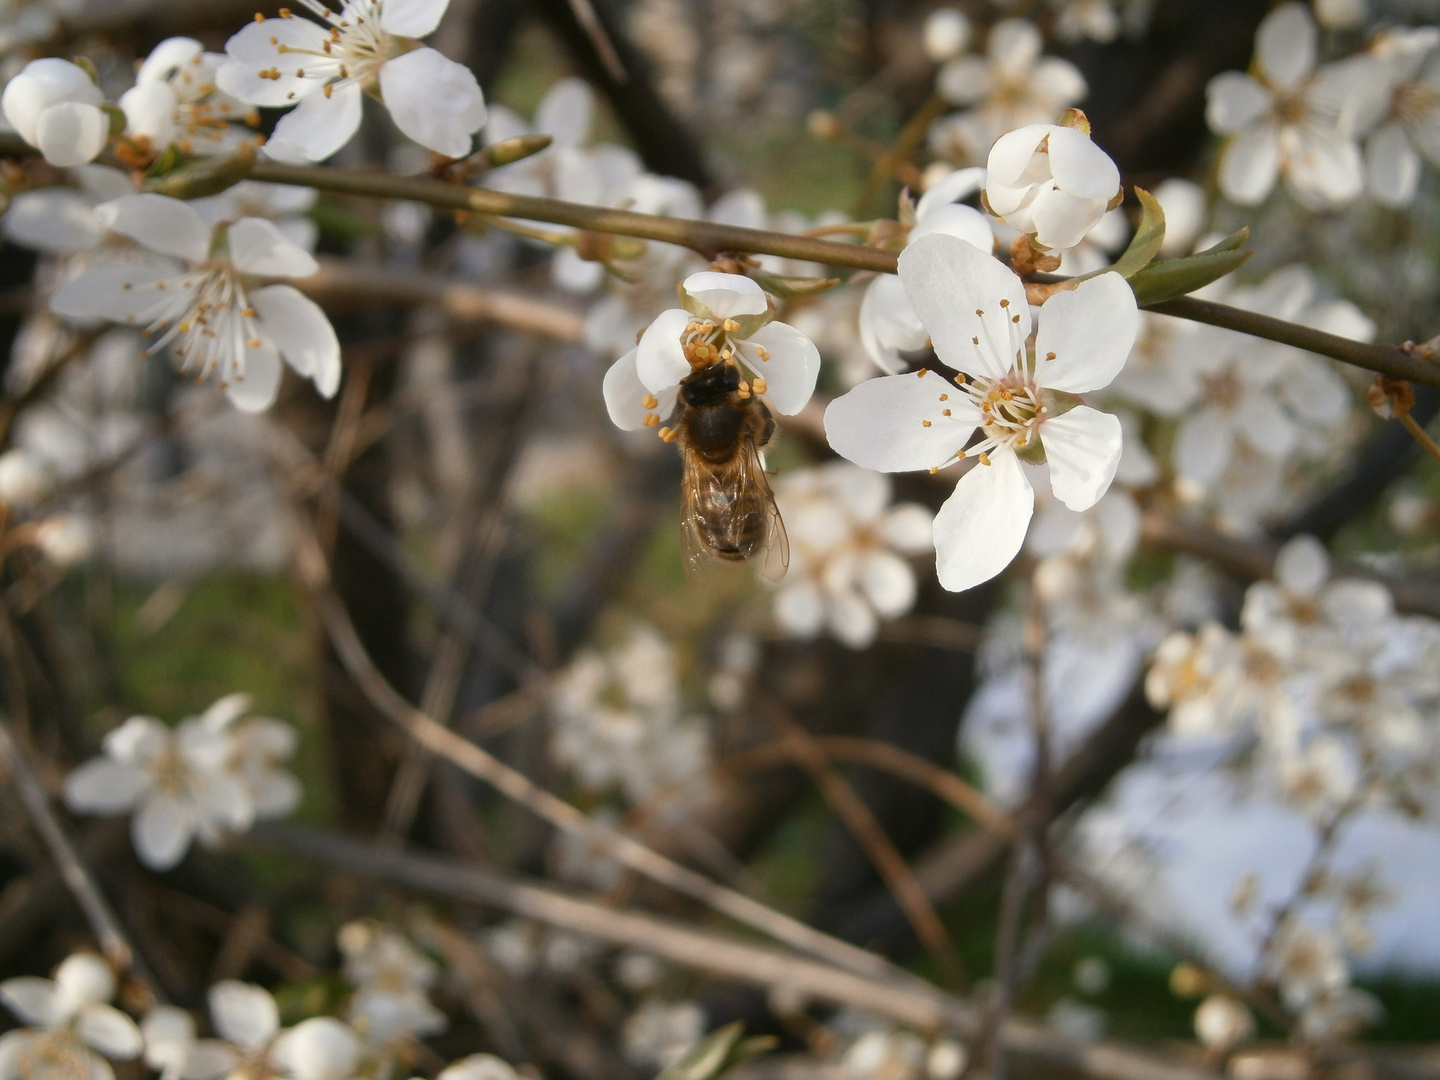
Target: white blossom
<point>847,543</point>
<point>62,220</point>
<point>1051,182</point>
<point>321,1048</point>
<point>727,317</point>
<point>908,422</point>
<point>1398,103</point>
<point>200,300</point>
<point>1290,118</point>
<point>946,34</point>
<point>661,1032</point>
<point>175,102</point>
<point>72,1020</point>
<point>54,106</point>
<point>367,47</point>
<point>479,1067</point>
<point>1010,87</point>
<point>391,981</point>
<point>1222,1023</point>
<point>174,1051</point>
<point>24,479</point>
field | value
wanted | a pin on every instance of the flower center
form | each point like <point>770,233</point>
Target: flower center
<point>1412,101</point>
<point>353,52</point>
<point>213,330</point>
<point>1290,108</point>
<point>59,1054</point>
<point>1224,388</point>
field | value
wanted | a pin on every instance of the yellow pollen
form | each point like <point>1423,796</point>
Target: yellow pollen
<point>667,434</point>
<point>925,423</point>
<point>248,313</point>
<point>651,419</point>
<point>649,401</point>
<point>328,88</point>
<point>1015,318</point>
<point>984,459</point>
<point>922,373</point>
<point>1004,303</point>
<point>730,326</point>
<point>974,341</point>
<point>743,390</point>
<point>760,386</point>
<point>944,412</point>
<point>760,352</point>
<point>726,354</point>
<point>944,397</point>
<point>284,13</point>
<point>1049,356</point>
<point>979,311</point>
<point>702,351</point>
<point>259,17</point>
<point>934,469</point>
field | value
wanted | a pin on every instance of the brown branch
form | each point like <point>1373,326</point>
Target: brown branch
<point>909,1002</point>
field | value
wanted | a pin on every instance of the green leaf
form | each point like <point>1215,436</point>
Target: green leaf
<point>201,177</point>
<point>781,285</point>
<point>1170,278</point>
<point>717,1053</point>
<point>1148,237</point>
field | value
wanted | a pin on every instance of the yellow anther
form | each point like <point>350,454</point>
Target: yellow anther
<point>944,412</point>
<point>944,397</point>
<point>667,434</point>
<point>651,419</point>
<point>743,389</point>
<point>984,459</point>
<point>760,386</point>
<point>730,326</point>
<point>1004,303</point>
<point>702,352</point>
<point>284,13</point>
<point>1015,318</point>
<point>726,354</point>
<point>760,352</point>
<point>936,468</point>
<point>1049,356</point>
<point>253,342</point>
<point>925,423</point>
<point>979,311</point>
<point>974,341</point>
<point>649,401</point>
<point>259,17</point>
<point>922,373</point>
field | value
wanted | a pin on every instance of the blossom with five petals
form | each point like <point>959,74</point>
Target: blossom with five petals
<point>73,1019</point>
<point>216,323</point>
<point>369,47</point>
<point>1021,399</point>
<point>1291,119</point>
<point>727,317</point>
<point>1398,102</point>
<point>175,100</point>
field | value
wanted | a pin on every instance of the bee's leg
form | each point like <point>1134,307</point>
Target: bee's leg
<point>768,431</point>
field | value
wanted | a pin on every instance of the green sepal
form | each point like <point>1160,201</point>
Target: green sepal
<point>1148,237</point>
<point>85,64</point>
<point>201,177</point>
<point>717,1053</point>
<point>1170,278</point>
<point>116,116</point>
<point>166,163</point>
<point>781,285</point>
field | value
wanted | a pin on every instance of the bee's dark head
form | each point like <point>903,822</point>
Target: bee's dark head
<point>710,384</point>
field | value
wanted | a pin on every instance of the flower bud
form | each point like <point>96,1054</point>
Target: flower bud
<point>1050,182</point>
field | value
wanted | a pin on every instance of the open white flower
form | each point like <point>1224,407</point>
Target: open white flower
<point>54,106</point>
<point>1398,102</point>
<point>318,1049</point>
<point>1017,396</point>
<point>61,220</point>
<point>391,981</point>
<point>726,317</point>
<point>175,101</point>
<point>174,1051</point>
<point>72,1020</point>
<point>479,1067</point>
<point>1051,182</point>
<point>248,1020</point>
<point>176,780</point>
<point>1011,86</point>
<point>368,47</point>
<point>846,547</point>
<point>888,323</point>
<point>1292,119</point>
<point>207,311</point>
<point>660,1033</point>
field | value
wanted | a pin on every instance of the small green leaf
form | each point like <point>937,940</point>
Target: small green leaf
<point>780,285</point>
<point>717,1053</point>
<point>85,64</point>
<point>1170,278</point>
<point>509,151</point>
<point>202,177</point>
<point>1148,237</point>
<point>116,116</point>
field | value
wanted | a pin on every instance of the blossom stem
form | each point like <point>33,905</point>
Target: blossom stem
<point>1421,435</point>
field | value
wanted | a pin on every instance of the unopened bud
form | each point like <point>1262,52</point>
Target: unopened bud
<point>1390,398</point>
<point>947,34</point>
<point>65,539</point>
<point>23,480</point>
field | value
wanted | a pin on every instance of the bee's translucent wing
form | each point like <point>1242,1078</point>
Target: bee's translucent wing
<point>729,516</point>
<point>774,549</point>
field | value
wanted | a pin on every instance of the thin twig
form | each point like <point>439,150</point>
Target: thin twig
<point>909,1002</point>
<point>103,921</point>
<point>445,743</point>
<point>599,40</point>
<point>1420,435</point>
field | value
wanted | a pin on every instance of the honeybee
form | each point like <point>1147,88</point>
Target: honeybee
<point>728,509</point>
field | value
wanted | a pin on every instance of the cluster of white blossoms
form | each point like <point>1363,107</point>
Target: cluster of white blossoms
<point>1306,121</point>
<point>848,553</point>
<point>619,723</point>
<point>74,1029</point>
<point>209,777</point>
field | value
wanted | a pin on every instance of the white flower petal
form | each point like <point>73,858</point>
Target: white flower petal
<point>1014,45</point>
<point>908,528</point>
<point>659,358</point>
<point>888,324</point>
<point>1250,164</point>
<point>256,390</point>
<point>1234,100</point>
<point>850,619</point>
<point>1323,168</point>
<point>1285,45</point>
<point>41,84</point>
<point>1202,447</point>
<point>566,111</point>
<point>225,712</point>
<point>167,59</point>
<point>53,220</point>
<point>110,1031</point>
<point>625,394</point>
<point>960,184</point>
<point>1090,329</point>
<point>160,223</point>
<point>1302,566</point>
<point>318,1049</point>
<point>980,528</point>
<point>138,741</point>
<point>963,81</point>
<point>957,290</point>
<point>726,295</point>
<point>887,582</point>
<point>1014,163</point>
<point>251,52</point>
<point>275,794</point>
<point>1264,425</point>
<point>434,101</point>
<point>16,1049</point>
<point>953,219</point>
<point>162,831</point>
<point>150,111</point>
<point>244,1013</point>
<point>1082,448</point>
<point>800,608</point>
<point>792,369</point>
<point>169,1032</point>
<point>34,1000</point>
<point>1059,219</point>
<point>412,18</point>
<point>1080,167</point>
<point>880,423</point>
<point>209,1059</point>
<point>84,978</point>
<point>317,127</point>
<point>122,293</point>
<point>259,247</point>
<point>301,332</point>
<point>72,133</point>
<point>104,786</point>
